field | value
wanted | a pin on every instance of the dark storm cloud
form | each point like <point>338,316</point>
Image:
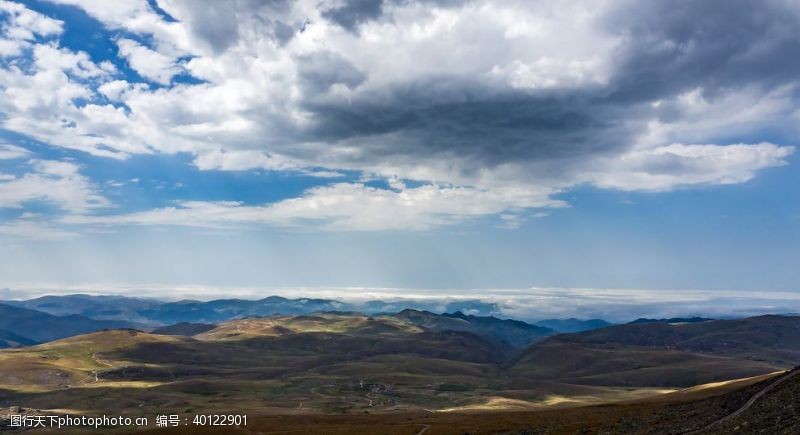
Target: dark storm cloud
<point>679,45</point>
<point>354,12</point>
<point>668,48</point>
<point>495,128</point>
<point>319,71</point>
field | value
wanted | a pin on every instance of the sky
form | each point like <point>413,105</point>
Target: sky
<point>438,145</point>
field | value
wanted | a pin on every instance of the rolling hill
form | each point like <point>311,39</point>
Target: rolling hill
<point>322,363</point>
<point>187,329</point>
<point>405,364</point>
<point>664,354</point>
<point>513,333</point>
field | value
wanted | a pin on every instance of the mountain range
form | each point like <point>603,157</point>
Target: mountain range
<point>340,362</point>
<point>37,326</point>
<point>152,313</point>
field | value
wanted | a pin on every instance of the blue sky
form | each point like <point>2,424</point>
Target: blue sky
<point>428,146</point>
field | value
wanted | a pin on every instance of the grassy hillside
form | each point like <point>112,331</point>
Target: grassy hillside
<point>316,363</point>
<point>662,354</point>
<point>327,363</point>
<point>674,413</point>
<point>508,332</point>
<point>185,328</point>
<point>355,364</point>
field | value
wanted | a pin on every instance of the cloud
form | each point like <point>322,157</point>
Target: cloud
<point>678,165</point>
<point>32,228</point>
<point>492,98</point>
<point>9,152</point>
<point>341,206</point>
<point>22,26</point>
<point>55,182</point>
<point>352,13</point>
<point>148,63</point>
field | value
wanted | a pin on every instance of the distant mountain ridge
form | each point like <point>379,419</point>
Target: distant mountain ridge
<point>41,327</point>
<point>154,313</point>
<point>96,307</point>
<point>9,339</point>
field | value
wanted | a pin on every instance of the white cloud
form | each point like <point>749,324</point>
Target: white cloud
<point>678,165</point>
<point>242,161</point>
<point>8,152</point>
<point>342,206</point>
<point>22,27</point>
<point>57,182</point>
<point>148,63</point>
<point>328,99</point>
<point>34,229</point>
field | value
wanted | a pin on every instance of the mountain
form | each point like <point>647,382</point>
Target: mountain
<point>572,324</point>
<point>42,327</point>
<point>151,312</point>
<point>227,309</point>
<point>665,354</point>
<point>327,362</point>
<point>405,364</point>
<point>187,329</point>
<point>9,339</point>
<point>154,312</point>
<point>96,307</point>
<point>513,333</point>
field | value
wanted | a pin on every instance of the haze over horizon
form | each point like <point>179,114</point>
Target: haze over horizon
<point>574,147</point>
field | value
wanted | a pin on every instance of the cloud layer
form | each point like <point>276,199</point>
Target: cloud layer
<point>484,108</point>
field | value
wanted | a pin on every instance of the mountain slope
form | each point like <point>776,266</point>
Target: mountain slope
<point>327,362</point>
<point>95,307</point>
<point>352,363</point>
<point>187,329</point>
<point>9,339</point>
<point>774,410</point>
<point>513,333</point>
<point>662,354</point>
<point>43,327</point>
